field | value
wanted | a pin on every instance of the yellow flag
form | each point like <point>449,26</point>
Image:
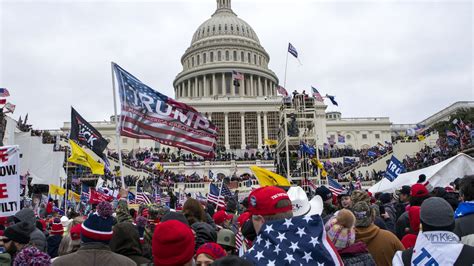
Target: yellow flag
<point>73,195</point>
<point>80,156</point>
<point>317,163</point>
<point>159,167</point>
<point>269,178</point>
<point>324,173</point>
<point>421,137</point>
<point>56,190</point>
<point>270,142</point>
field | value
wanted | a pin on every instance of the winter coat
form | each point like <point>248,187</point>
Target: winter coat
<point>53,245</point>
<point>37,238</point>
<point>382,244</point>
<point>464,223</point>
<point>94,254</point>
<point>357,254</point>
<point>126,241</point>
<point>204,233</point>
<point>392,213</point>
<point>402,224</point>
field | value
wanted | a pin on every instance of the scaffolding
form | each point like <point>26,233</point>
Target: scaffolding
<point>298,124</point>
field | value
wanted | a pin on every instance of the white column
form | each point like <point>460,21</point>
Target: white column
<point>259,132</point>
<point>214,85</point>
<point>265,125</point>
<point>226,134</point>
<point>196,87</point>
<point>188,92</point>
<point>266,87</point>
<point>206,86</point>
<point>209,116</point>
<point>242,86</point>
<point>223,85</point>
<point>259,85</point>
<point>252,91</point>
<point>242,128</point>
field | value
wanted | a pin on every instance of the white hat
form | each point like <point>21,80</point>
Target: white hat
<point>299,200</point>
<point>65,221</point>
<point>317,206</point>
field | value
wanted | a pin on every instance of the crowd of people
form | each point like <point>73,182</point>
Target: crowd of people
<point>363,229</point>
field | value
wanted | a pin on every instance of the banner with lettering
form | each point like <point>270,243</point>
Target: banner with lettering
<point>9,180</point>
<point>85,134</point>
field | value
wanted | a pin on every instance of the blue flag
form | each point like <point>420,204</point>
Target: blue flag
<point>394,168</point>
<point>371,154</point>
<point>348,160</point>
<point>332,99</point>
<point>305,148</point>
<point>292,50</point>
<point>131,197</point>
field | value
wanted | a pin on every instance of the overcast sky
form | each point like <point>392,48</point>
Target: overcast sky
<point>401,59</point>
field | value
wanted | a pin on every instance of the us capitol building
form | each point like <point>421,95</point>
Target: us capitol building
<point>249,113</point>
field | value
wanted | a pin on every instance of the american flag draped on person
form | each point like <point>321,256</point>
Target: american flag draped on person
<point>299,240</point>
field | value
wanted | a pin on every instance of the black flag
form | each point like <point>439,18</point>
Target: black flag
<point>85,134</point>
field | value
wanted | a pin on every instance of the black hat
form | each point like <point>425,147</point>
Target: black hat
<point>18,233</point>
<point>405,190</point>
<point>324,192</point>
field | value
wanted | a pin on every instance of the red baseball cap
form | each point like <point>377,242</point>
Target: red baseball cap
<point>221,216</point>
<point>419,190</point>
<point>263,201</point>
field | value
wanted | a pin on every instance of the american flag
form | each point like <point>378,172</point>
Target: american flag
<point>148,114</point>
<point>317,95</point>
<point>239,238</point>
<point>158,198</point>
<point>4,92</point>
<point>10,107</point>
<point>335,187</point>
<point>142,197</point>
<point>282,91</point>
<point>226,191</point>
<point>300,240</point>
<point>237,75</point>
<point>214,197</point>
<point>451,134</point>
<point>131,198</point>
<point>309,184</point>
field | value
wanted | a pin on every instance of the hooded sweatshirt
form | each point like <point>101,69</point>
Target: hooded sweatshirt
<point>37,238</point>
<point>204,233</point>
<point>382,244</point>
<point>126,241</point>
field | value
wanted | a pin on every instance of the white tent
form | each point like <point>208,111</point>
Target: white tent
<point>438,175</point>
<point>44,165</point>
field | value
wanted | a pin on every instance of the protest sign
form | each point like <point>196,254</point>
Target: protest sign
<point>9,180</point>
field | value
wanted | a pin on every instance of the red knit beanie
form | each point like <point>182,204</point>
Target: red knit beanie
<point>213,250</point>
<point>76,232</point>
<point>172,243</point>
<point>57,228</point>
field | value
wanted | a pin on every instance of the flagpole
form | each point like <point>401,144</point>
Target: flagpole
<point>286,66</point>
<point>220,191</point>
<point>67,168</point>
<point>117,124</point>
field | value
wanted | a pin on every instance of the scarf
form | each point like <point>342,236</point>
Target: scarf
<point>464,208</point>
<point>436,248</point>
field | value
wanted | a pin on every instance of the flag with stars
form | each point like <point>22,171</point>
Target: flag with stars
<point>299,240</point>
<point>148,114</point>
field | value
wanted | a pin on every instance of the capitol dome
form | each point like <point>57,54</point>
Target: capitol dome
<point>221,46</point>
<point>224,22</point>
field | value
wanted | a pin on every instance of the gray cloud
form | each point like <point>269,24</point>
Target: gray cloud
<point>399,59</point>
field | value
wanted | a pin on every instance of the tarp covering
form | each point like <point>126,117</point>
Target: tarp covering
<point>438,175</point>
<point>44,165</point>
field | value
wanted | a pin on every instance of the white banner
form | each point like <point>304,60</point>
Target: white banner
<point>9,180</point>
